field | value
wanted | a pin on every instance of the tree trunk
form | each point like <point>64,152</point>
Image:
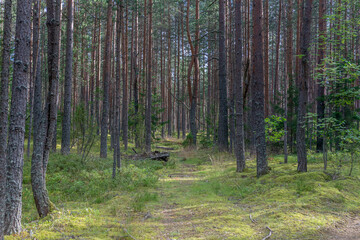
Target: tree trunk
<point>320,62</point>
<point>125,79</point>
<point>239,101</point>
<point>45,127</point>
<point>223,140</point>
<point>15,148</point>
<point>276,79</point>
<point>257,91</point>
<point>289,73</point>
<point>266,57</point>
<point>66,124</point>
<point>4,108</point>
<point>169,110</point>
<point>106,81</point>
<point>303,84</point>
<point>148,84</point>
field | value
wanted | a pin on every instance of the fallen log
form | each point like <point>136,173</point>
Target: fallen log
<point>156,156</point>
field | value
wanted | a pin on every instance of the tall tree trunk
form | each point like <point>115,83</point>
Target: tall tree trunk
<point>4,108</point>
<point>303,84</point>
<point>15,148</point>
<point>135,71</point>
<point>239,100</point>
<point>106,82</point>
<point>193,62</point>
<point>223,140</point>
<point>125,79</point>
<point>66,124</point>
<point>266,57</point>
<point>289,73</point>
<point>257,91</point>
<point>46,122</point>
<point>117,93</point>
<point>169,110</point>
<point>148,84</point>
<point>276,79</point>
<point>320,62</point>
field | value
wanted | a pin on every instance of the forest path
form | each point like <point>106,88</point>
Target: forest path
<point>347,231</point>
<point>187,209</point>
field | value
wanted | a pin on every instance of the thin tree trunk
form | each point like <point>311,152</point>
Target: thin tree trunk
<point>239,100</point>
<point>106,82</point>
<point>223,140</point>
<point>148,84</point>
<point>276,79</point>
<point>125,79</point>
<point>266,57</point>
<point>169,110</point>
<point>66,124</point>
<point>320,62</point>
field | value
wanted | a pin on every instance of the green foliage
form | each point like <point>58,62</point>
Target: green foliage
<point>188,140</point>
<point>205,141</point>
<point>274,128</point>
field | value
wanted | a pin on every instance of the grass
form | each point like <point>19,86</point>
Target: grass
<point>197,195</point>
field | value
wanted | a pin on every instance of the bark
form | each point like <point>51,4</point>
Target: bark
<point>257,91</point>
<point>106,81</point>
<point>45,121</point>
<point>66,124</point>
<point>289,73</point>
<point>125,80</point>
<point>303,84</point>
<point>135,72</point>
<point>266,57</point>
<point>320,62</point>
<point>239,105</point>
<point>169,110</point>
<point>148,84</point>
<point>4,108</point>
<point>116,155</point>
<point>15,148</point>
<point>276,79</point>
<point>194,62</point>
<point>223,133</point>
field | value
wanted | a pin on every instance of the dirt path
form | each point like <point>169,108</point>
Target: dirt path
<point>348,231</point>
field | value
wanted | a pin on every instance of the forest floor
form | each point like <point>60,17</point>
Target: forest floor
<point>196,195</point>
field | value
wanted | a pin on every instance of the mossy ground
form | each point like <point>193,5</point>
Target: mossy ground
<point>197,195</point>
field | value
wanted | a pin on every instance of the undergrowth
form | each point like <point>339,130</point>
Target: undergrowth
<point>195,194</point>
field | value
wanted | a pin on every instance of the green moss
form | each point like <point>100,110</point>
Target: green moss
<point>196,194</point>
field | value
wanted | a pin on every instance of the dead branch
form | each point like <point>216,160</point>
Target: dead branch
<point>126,231</point>
<point>268,236</point>
<point>252,220</point>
